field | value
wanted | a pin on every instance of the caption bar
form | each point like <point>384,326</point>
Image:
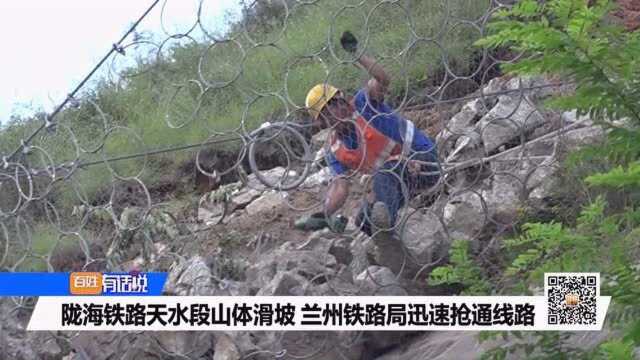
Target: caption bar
<point>298,313</point>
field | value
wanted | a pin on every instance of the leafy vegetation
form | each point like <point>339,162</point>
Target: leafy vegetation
<point>578,40</point>
<point>462,270</point>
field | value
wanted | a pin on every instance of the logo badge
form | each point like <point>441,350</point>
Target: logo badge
<point>85,283</point>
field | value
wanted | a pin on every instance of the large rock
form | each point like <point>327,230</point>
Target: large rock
<point>154,345</point>
<point>302,344</point>
<point>575,139</point>
<point>187,278</point>
<point>440,345</point>
<point>101,345</point>
<point>460,124</point>
<point>305,263</point>
<point>225,348</point>
<point>378,280</point>
<point>322,177</point>
<point>273,177</point>
<point>504,195</point>
<point>362,250</point>
<point>224,201</point>
<point>229,198</point>
<point>512,117</point>
<point>319,240</point>
<point>467,147</point>
<point>267,203</point>
<point>286,283</point>
<point>192,277</point>
<point>485,125</point>
<point>465,216</point>
<point>424,236</point>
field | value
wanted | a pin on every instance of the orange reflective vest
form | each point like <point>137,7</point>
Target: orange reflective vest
<point>372,152</point>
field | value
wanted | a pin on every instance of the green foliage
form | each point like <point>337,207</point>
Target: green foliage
<point>461,270</point>
<point>617,349</point>
<point>573,38</point>
<point>546,247</point>
<point>576,40</point>
<point>32,248</point>
<point>544,345</point>
<point>618,177</point>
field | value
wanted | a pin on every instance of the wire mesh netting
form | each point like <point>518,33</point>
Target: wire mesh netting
<point>83,187</point>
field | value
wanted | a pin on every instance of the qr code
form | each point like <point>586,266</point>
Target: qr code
<point>571,298</point>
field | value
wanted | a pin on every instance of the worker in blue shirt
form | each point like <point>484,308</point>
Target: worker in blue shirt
<point>368,136</point>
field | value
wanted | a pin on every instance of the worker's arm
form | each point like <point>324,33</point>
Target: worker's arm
<point>336,195</point>
<point>379,83</point>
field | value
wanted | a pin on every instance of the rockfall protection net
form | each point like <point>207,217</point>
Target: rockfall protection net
<point>79,178</point>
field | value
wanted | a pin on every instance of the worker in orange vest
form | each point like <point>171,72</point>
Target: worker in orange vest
<point>368,136</point>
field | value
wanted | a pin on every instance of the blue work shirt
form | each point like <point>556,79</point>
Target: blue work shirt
<point>384,119</point>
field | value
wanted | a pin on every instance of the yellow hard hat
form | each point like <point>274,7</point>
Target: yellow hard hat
<point>318,97</point>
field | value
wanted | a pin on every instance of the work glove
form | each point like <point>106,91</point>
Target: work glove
<point>349,42</point>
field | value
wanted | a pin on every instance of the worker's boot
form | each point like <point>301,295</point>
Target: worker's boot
<point>389,251</point>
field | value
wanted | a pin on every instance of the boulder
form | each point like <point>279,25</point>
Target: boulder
<point>224,201</point>
<point>465,216</point>
<point>503,196</point>
<point>305,263</point>
<point>509,119</point>
<point>267,203</point>
<point>189,278</point>
<point>340,249</point>
<point>440,345</point>
<point>243,197</point>
<point>228,287</point>
<point>461,124</point>
<point>424,236</point>
<point>225,348</point>
<point>575,139</point>
<point>300,344</point>
<point>234,196</point>
<point>494,122</point>
<point>362,250</point>
<point>272,176</point>
<point>467,147</point>
<point>150,345</point>
<point>286,283</point>
<point>378,280</point>
<point>319,240</point>
<point>193,345</point>
<point>322,177</point>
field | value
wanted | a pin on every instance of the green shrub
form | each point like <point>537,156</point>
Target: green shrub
<point>577,41</point>
<point>462,270</point>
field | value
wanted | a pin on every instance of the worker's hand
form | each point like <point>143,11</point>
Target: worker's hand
<point>349,42</point>
<point>414,167</point>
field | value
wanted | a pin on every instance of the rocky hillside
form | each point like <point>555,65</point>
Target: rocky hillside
<point>501,156</point>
